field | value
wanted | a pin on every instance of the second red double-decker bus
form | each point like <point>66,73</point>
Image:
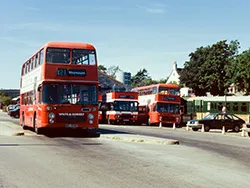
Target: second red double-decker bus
<point>158,103</point>
<point>119,107</point>
<point>59,87</point>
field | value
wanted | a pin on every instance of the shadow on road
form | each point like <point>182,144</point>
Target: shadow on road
<point>15,145</point>
<point>109,131</point>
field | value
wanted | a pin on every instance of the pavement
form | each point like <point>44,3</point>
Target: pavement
<point>13,129</point>
<point>140,139</point>
<point>10,129</point>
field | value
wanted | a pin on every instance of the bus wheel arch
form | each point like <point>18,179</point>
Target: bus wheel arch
<point>37,130</point>
<point>23,121</point>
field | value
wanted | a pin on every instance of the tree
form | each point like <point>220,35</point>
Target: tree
<point>206,71</point>
<point>112,71</point>
<point>140,78</point>
<point>4,99</point>
<point>102,68</point>
<point>240,72</point>
<point>3,94</point>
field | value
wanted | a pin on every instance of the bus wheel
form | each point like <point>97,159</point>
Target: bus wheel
<point>110,122</point>
<point>148,123</point>
<point>195,129</point>
<point>23,124</point>
<point>37,130</point>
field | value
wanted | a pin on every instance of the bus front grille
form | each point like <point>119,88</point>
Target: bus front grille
<point>70,119</point>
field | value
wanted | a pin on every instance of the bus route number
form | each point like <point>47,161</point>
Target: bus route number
<point>61,72</point>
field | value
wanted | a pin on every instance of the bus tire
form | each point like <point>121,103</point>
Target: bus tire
<point>148,122</point>
<point>37,130</point>
<point>195,129</point>
<point>110,122</point>
<point>23,124</point>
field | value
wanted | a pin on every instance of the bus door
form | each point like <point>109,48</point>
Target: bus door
<point>143,114</point>
<point>154,115</point>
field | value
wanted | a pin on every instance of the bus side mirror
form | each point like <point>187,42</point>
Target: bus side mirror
<point>39,89</point>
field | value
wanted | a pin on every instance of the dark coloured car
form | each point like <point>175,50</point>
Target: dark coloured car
<point>15,112</point>
<point>217,121</point>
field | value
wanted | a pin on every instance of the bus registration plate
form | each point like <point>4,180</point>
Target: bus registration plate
<point>73,126</point>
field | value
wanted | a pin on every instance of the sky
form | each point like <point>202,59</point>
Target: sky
<point>131,34</point>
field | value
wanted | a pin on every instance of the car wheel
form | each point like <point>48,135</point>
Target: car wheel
<point>236,128</point>
<point>195,129</point>
<point>206,128</point>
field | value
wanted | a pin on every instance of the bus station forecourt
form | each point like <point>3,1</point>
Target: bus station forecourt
<point>59,88</point>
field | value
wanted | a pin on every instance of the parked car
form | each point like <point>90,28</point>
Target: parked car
<point>217,121</point>
<point>11,107</point>
<point>15,112</point>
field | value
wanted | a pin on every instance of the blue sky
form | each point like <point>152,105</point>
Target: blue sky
<point>132,34</point>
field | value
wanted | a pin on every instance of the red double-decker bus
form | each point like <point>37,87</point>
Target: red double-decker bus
<point>58,87</point>
<point>119,107</point>
<point>159,103</point>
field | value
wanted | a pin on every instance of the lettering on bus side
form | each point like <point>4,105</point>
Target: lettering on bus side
<point>71,114</point>
<point>71,72</point>
<point>165,98</point>
<point>126,96</point>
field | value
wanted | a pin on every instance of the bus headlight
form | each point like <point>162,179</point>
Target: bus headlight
<point>48,108</point>
<point>91,116</point>
<point>51,121</point>
<point>91,121</point>
<point>51,115</point>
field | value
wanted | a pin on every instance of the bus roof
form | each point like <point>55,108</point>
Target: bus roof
<point>69,45</point>
<point>157,85</point>
<point>63,45</point>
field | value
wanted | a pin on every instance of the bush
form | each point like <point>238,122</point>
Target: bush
<point>4,108</point>
<point>5,100</point>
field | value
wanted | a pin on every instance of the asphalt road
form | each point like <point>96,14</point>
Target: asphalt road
<point>72,161</point>
<point>230,145</point>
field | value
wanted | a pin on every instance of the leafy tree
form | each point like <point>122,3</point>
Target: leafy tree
<point>173,82</point>
<point>141,78</point>
<point>240,72</point>
<point>5,100</point>
<point>102,68</point>
<point>206,71</point>
<point>112,71</point>
<point>3,94</point>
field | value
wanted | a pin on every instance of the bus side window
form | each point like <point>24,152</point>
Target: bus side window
<point>36,60</point>
<point>41,57</point>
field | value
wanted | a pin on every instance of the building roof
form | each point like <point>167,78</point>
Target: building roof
<point>107,82</point>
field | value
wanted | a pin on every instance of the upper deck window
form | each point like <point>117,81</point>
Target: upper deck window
<point>83,57</point>
<point>163,90</point>
<point>58,55</point>
<point>174,91</point>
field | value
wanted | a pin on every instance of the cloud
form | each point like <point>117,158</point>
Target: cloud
<point>154,9</point>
